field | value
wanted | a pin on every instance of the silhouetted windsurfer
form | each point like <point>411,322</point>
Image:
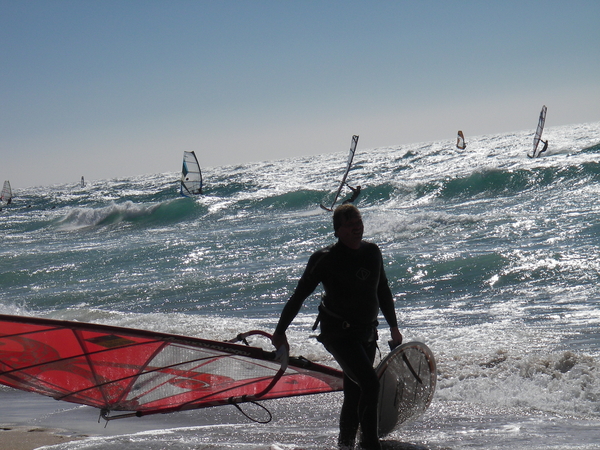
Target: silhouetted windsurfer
<point>537,138</point>
<point>544,148</point>
<point>355,194</point>
<point>356,290</point>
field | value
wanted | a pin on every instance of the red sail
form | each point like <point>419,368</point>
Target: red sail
<point>121,369</point>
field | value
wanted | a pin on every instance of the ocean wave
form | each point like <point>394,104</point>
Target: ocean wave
<point>507,182</point>
<point>562,382</point>
<point>142,214</point>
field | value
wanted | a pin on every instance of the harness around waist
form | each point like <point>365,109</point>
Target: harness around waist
<point>345,324</point>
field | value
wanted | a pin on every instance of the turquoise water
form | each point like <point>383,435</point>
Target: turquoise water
<point>492,257</point>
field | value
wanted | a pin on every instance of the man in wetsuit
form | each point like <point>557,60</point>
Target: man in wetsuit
<point>356,288</point>
<point>545,147</point>
<point>355,194</point>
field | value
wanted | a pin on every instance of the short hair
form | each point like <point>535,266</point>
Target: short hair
<point>343,212</point>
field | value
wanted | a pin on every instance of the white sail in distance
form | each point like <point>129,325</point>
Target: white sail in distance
<point>538,132</point>
<point>460,140</point>
<point>191,176</point>
<point>6,192</point>
<point>348,166</point>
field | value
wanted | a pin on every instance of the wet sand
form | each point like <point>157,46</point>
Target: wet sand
<point>30,438</point>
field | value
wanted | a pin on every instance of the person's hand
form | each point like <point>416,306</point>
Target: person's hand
<point>396,337</point>
<point>280,340</point>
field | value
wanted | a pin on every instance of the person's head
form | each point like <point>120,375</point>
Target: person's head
<point>347,225</point>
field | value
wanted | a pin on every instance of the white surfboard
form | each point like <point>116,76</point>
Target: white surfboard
<point>407,376</point>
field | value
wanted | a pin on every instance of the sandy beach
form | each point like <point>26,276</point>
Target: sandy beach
<point>30,438</point>
<point>30,421</point>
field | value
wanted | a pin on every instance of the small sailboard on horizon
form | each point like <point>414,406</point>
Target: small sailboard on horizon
<point>191,175</point>
<point>537,137</point>
<point>460,140</point>
<point>348,166</point>
<point>6,195</point>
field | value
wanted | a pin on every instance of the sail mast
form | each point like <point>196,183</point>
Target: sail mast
<point>353,145</point>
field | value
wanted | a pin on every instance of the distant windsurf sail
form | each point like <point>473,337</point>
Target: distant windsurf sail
<point>82,182</point>
<point>348,166</point>
<point>6,195</point>
<point>191,176</point>
<point>538,132</point>
<point>460,140</point>
<point>141,372</point>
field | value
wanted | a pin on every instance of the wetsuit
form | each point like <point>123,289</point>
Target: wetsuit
<point>355,194</point>
<point>356,288</point>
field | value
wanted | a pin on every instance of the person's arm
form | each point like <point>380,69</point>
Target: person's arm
<point>396,336</point>
<point>280,340</point>
<point>307,284</point>
<point>386,305</point>
<point>289,312</point>
<point>386,301</point>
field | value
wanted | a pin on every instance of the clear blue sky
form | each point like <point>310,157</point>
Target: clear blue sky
<point>110,89</point>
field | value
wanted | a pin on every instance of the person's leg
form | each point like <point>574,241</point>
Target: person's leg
<point>361,391</point>
<point>349,418</point>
